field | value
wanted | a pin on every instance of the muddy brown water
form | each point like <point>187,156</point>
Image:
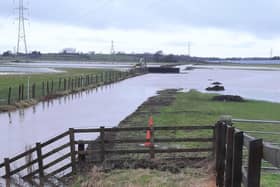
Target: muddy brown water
<point>108,105</point>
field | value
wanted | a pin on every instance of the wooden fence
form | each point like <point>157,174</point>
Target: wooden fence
<point>77,149</point>
<point>230,171</point>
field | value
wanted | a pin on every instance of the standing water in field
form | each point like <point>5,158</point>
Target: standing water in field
<point>107,106</point>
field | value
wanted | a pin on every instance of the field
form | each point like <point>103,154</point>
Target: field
<point>192,108</point>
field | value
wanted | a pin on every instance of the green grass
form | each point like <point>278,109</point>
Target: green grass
<point>270,180</point>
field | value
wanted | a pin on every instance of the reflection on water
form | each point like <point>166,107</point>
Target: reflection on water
<point>10,117</point>
<point>108,105</point>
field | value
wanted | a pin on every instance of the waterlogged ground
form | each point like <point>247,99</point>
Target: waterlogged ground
<point>107,106</point>
<point>55,67</point>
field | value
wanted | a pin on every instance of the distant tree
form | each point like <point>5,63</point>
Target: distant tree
<point>158,56</point>
<point>170,58</point>
<point>7,53</point>
<point>35,54</point>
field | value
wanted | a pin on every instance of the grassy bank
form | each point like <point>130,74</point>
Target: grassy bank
<point>192,108</point>
<point>53,82</point>
<point>10,80</point>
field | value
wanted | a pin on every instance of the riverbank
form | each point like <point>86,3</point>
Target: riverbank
<point>33,88</point>
<point>191,108</point>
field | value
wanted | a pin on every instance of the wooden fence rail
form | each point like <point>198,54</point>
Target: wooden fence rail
<point>75,155</point>
<point>229,155</point>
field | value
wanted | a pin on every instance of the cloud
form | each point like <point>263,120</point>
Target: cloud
<point>258,17</point>
<point>215,28</point>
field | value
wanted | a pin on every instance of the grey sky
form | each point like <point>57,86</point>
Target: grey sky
<point>259,18</point>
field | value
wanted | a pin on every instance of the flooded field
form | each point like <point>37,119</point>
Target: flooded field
<point>107,106</point>
<point>55,67</point>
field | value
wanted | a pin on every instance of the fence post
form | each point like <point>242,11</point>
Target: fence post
<point>229,155</point>
<point>96,79</point>
<point>254,163</point>
<point>237,159</point>
<point>48,88</point>
<point>52,87</point>
<point>19,92</point>
<point>72,149</point>
<point>69,83</point>
<point>34,91</point>
<point>40,160</point>
<point>72,84</point>
<point>9,95</point>
<point>43,88</point>
<point>59,84</point>
<point>220,153</point>
<point>7,167</point>
<point>152,147</point>
<point>22,92</point>
<point>102,144</point>
<point>65,83</point>
<point>81,147</point>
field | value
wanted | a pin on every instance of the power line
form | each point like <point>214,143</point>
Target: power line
<point>21,27</point>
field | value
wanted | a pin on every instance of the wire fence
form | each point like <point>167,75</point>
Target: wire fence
<point>15,95</point>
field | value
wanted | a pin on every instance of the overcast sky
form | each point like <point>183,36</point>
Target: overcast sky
<point>222,28</point>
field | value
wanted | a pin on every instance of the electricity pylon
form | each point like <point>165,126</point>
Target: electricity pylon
<point>21,27</point>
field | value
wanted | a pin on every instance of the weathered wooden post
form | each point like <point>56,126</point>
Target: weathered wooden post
<point>81,148</point>
<point>9,95</point>
<point>106,77</point>
<point>254,163</point>
<point>72,149</point>
<point>229,156</point>
<point>220,153</point>
<point>43,88</point>
<point>91,79</point>
<point>19,92</point>
<point>101,77</point>
<point>52,88</point>
<point>65,84</point>
<point>40,160</point>
<point>34,91</point>
<point>48,88</point>
<point>59,84</point>
<point>7,168</point>
<point>237,159</point>
<point>102,144</point>
<point>22,92</point>
<point>69,83</point>
<point>72,84</point>
<point>96,80</point>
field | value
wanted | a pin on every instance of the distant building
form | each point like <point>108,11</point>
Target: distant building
<point>69,51</point>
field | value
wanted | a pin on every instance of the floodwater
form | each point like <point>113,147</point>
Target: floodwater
<point>54,67</point>
<point>246,61</point>
<point>108,105</point>
<point>11,70</point>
